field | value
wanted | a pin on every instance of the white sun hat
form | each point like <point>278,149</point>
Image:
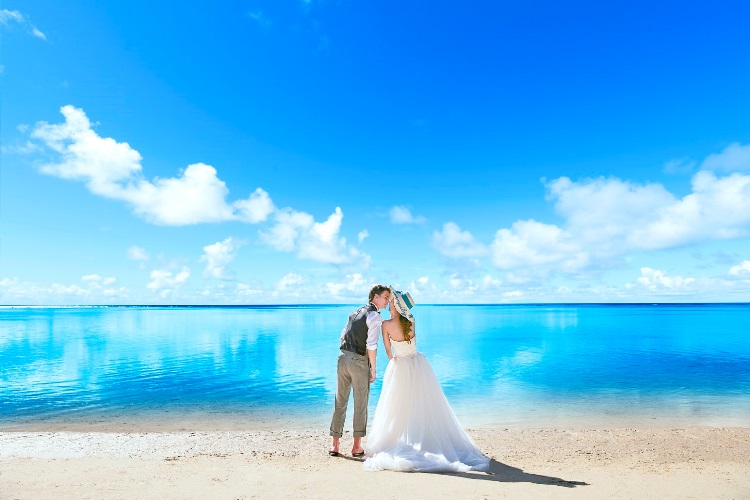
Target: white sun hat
<point>403,303</point>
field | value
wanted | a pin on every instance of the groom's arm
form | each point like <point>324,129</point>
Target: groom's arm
<point>372,354</point>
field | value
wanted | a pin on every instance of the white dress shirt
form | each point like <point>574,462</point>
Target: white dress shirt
<point>374,320</point>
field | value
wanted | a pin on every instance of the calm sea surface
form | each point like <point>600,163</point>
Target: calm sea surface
<point>499,366</point>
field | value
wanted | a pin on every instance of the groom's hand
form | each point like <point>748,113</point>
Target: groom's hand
<point>372,374</point>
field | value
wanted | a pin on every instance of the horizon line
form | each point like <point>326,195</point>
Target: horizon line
<point>60,306</point>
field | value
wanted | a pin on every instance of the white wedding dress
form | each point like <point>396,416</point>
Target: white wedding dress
<point>414,428</point>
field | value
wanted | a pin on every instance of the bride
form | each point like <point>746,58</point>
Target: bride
<point>414,428</point>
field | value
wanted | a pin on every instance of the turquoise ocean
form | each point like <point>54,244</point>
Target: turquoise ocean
<point>499,365</point>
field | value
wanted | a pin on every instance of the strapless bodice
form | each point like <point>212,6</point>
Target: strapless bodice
<point>403,349</point>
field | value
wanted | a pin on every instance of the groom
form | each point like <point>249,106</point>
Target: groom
<point>356,367</point>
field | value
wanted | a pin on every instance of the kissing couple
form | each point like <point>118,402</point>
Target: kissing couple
<point>414,428</point>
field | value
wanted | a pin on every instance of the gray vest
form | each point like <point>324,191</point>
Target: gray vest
<point>355,333</point>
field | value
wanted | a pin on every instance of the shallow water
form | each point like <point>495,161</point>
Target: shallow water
<point>499,366</point>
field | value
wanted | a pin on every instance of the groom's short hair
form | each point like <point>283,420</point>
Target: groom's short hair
<point>377,290</point>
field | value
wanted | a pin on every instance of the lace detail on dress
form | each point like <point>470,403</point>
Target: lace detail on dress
<point>403,348</point>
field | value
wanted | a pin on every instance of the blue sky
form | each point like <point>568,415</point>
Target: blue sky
<point>302,151</point>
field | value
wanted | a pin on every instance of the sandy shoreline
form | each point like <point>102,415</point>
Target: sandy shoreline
<point>694,462</point>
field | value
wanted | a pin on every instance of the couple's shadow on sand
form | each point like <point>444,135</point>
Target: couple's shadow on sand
<point>502,473</point>
<point>506,474</point>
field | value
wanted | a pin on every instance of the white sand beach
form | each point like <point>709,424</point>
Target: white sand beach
<point>695,462</point>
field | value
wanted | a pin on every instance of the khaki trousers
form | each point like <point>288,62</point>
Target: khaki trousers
<point>353,373</point>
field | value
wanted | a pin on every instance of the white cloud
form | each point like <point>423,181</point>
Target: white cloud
<point>362,235</point>
<point>402,215</point>
<point>490,282</point>
<point>531,244</point>
<point>38,34</point>
<point>426,291</point>
<point>256,208</point>
<point>717,209</point>
<point>293,287</point>
<point>655,280</point>
<point>8,17</point>
<point>137,253</point>
<point>679,166</point>
<point>245,290</point>
<point>517,278</point>
<point>354,286</point>
<point>290,282</point>
<point>318,241</point>
<point>197,196</point>
<point>452,242</point>
<point>259,18</point>
<point>606,218</point>
<point>94,281</point>
<point>613,215</point>
<point>420,285</point>
<point>217,257</point>
<point>734,158</point>
<point>460,284</point>
<point>113,169</point>
<point>11,17</point>
<point>75,290</point>
<point>162,279</point>
<point>458,288</point>
<point>742,269</point>
<point>604,211</point>
<point>96,290</point>
<point>322,242</point>
<point>289,224</point>
<point>26,148</point>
